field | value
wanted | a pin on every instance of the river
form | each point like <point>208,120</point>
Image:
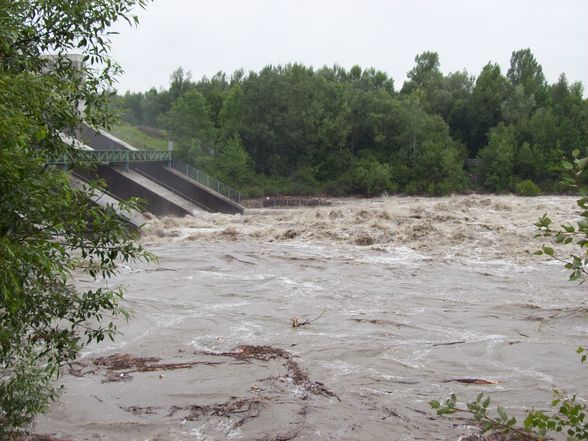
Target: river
<point>404,297</point>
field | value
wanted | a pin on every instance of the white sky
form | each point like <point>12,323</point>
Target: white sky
<point>207,36</point>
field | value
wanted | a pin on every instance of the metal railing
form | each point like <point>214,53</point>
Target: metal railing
<point>116,156</point>
<point>170,188</point>
<point>207,180</point>
<point>129,156</point>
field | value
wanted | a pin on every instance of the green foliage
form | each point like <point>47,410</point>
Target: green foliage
<point>189,124</point>
<point>141,137</point>
<point>525,71</point>
<point>568,416</point>
<point>497,159</point>
<point>499,420</point>
<point>304,181</point>
<point>488,94</point>
<point>189,118</point>
<point>233,164</point>
<point>370,177</point>
<point>179,84</point>
<point>438,169</point>
<point>527,188</point>
<point>294,118</point>
<point>231,112</point>
<point>577,233</point>
<point>49,231</point>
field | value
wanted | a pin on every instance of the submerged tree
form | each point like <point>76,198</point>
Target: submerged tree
<point>49,231</point>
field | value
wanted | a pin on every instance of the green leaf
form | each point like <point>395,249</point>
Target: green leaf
<point>502,413</point>
<point>486,427</point>
<point>568,228</point>
<point>567,165</point>
<point>486,403</point>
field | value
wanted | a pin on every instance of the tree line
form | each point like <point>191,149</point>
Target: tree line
<point>294,129</point>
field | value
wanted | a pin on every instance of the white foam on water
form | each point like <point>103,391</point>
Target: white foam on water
<point>340,367</point>
<point>444,288</point>
<point>480,226</point>
<point>305,285</point>
<point>209,343</point>
<point>197,434</point>
<point>392,256</point>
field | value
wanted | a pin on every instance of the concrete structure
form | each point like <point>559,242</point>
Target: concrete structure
<point>127,184</point>
<point>101,140</point>
<point>205,197</point>
<point>134,218</point>
<point>165,190</point>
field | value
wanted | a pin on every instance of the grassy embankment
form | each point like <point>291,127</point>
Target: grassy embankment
<point>143,138</point>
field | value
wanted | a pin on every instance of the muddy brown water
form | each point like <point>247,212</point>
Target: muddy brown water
<point>414,294</point>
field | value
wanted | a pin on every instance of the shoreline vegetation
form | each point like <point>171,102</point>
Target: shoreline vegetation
<point>296,130</point>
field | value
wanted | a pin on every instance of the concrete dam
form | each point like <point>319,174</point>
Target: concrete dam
<point>167,187</point>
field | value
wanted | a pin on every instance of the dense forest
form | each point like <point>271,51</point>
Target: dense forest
<point>297,130</point>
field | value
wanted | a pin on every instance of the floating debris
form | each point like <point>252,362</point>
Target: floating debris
<point>118,367</point>
<point>471,381</point>
<point>294,372</point>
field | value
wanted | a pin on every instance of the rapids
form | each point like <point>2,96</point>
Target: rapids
<point>407,295</point>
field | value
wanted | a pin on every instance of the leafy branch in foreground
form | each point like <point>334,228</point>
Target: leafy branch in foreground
<point>576,263</point>
<point>50,233</point>
<point>568,417</point>
<point>479,410</point>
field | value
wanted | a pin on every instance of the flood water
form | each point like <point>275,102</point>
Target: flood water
<point>404,295</point>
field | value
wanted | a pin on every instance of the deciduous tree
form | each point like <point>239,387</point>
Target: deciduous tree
<point>49,232</point>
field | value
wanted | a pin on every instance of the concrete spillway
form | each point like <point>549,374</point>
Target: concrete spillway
<point>165,190</point>
<point>125,184</point>
<point>134,218</point>
<point>190,206</point>
<point>205,197</point>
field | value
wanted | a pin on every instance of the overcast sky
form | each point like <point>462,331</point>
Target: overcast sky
<point>207,36</point>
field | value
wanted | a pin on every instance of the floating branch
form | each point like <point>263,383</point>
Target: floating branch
<point>297,324</point>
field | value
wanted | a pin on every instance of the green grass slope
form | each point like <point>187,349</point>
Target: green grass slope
<point>141,137</point>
